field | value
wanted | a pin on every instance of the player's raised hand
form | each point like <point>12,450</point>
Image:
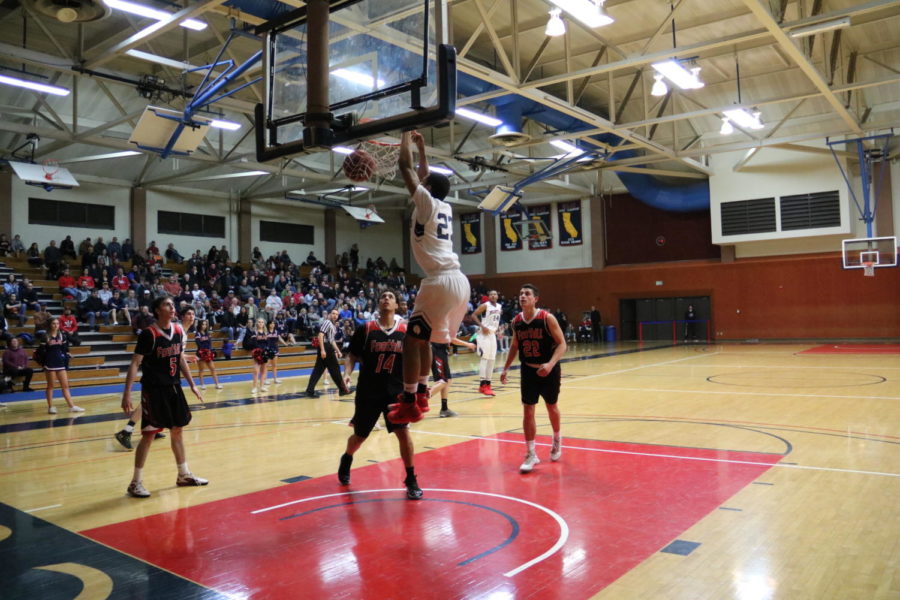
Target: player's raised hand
<point>417,138</point>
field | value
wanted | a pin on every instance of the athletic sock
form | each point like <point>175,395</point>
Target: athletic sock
<point>137,474</point>
<point>410,473</point>
<point>423,381</point>
<point>422,388</point>
<point>183,469</point>
<point>410,388</point>
<point>444,404</point>
<point>530,444</point>
<point>489,371</point>
<point>130,427</point>
<point>557,435</point>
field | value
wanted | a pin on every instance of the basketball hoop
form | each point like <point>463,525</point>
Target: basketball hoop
<point>385,156</point>
<point>869,269</point>
<point>50,167</point>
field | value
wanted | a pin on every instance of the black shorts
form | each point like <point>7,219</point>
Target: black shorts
<point>163,407</point>
<point>368,409</point>
<point>534,386</point>
<point>440,363</point>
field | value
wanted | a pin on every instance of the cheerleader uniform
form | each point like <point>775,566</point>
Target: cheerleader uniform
<point>56,357</point>
<point>204,346</point>
<point>272,343</point>
<point>259,344</point>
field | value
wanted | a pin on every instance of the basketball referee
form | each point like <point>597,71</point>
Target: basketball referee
<point>327,357</point>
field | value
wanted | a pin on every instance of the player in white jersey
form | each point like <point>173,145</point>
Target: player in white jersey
<point>444,293</point>
<point>487,316</point>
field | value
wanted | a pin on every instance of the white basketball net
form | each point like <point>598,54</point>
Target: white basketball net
<point>385,156</point>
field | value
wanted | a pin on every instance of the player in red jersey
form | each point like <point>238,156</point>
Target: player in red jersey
<point>159,356</point>
<point>540,342</point>
<point>378,347</point>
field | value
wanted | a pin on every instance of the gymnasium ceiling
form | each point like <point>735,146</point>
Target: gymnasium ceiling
<point>840,83</point>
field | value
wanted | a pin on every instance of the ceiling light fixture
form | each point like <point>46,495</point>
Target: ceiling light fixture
<point>740,116</point>
<point>34,85</point>
<point>93,157</point>
<point>727,128</point>
<point>151,13</point>
<point>160,60</point>
<point>820,27</point>
<point>566,146</point>
<point>674,71</point>
<point>589,12</point>
<point>476,116</point>
<point>555,26</point>
<point>223,124</point>
<point>659,86</point>
<point>357,77</point>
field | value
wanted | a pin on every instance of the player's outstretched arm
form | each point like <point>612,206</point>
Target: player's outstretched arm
<point>136,359</point>
<point>405,163</point>
<point>422,169</point>
<point>186,373</point>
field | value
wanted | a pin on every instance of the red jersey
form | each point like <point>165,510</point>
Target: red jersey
<point>67,281</point>
<point>121,283</point>
<point>88,280</point>
<point>380,354</point>
<point>535,342</point>
<point>68,323</point>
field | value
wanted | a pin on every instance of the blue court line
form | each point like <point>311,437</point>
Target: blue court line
<point>729,508</point>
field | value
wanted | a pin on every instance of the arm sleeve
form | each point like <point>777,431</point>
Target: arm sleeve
<point>144,343</point>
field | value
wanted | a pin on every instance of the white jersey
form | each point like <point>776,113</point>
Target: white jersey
<point>490,318</point>
<point>432,234</point>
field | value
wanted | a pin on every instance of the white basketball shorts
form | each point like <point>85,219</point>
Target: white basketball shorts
<point>440,307</point>
<point>487,345</point>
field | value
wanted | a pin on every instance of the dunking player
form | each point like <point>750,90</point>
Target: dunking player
<point>163,405</point>
<point>486,339</point>
<point>123,436</point>
<point>538,339</point>
<point>378,347</point>
<point>444,293</point>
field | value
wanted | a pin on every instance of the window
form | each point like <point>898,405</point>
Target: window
<point>748,216</point>
<point>811,211</point>
<point>286,233</point>
<point>190,224</point>
<point>71,214</point>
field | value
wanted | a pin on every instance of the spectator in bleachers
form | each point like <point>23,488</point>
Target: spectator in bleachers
<point>67,284</point>
<point>114,249</point>
<point>105,293</point>
<point>5,245</point>
<point>41,322</point>
<point>33,256</point>
<point>134,276</point>
<point>16,246</point>
<point>10,286</point>
<point>99,246</point>
<point>172,254</point>
<point>143,319</point>
<point>120,281</point>
<point>15,364</point>
<point>87,279</point>
<point>103,260</point>
<point>94,307</point>
<point>273,304</point>
<point>67,248</point>
<point>153,254</point>
<point>127,250</point>
<point>223,255</point>
<point>52,260</point>
<point>29,298</point>
<point>69,325</point>
<point>82,294</point>
<point>84,246</point>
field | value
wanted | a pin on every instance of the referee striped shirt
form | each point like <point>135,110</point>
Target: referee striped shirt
<point>328,329</point>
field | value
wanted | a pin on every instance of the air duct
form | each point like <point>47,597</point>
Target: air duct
<point>509,133</point>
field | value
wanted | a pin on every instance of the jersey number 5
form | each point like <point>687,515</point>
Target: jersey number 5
<point>173,365</point>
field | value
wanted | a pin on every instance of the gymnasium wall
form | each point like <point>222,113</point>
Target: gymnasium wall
<point>470,263</point>
<point>550,259</point>
<point>187,203</point>
<point>791,297</point>
<point>286,211</point>
<point>385,240</point>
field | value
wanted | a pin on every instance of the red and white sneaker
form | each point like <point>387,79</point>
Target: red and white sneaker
<point>404,412</point>
<point>422,402</point>
<point>190,480</point>
<point>487,391</point>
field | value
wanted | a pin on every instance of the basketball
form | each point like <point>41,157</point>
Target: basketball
<point>359,166</point>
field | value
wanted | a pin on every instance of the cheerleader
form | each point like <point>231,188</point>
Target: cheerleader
<point>258,341</point>
<point>205,353</point>
<point>273,339</point>
<point>55,360</point>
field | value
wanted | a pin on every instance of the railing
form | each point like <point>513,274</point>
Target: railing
<point>675,324</point>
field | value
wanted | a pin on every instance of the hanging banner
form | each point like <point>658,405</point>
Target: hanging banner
<point>471,233</point>
<point>542,238</point>
<point>510,235</point>
<point>569,223</point>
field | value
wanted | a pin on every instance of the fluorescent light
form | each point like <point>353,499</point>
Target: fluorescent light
<point>727,127</point>
<point>342,150</point>
<point>151,13</point>
<point>589,12</point>
<point>481,118</point>
<point>555,26</point>
<point>659,86</point>
<point>677,74</point>
<point>107,156</point>
<point>820,27</point>
<point>442,170</point>
<point>744,118</point>
<point>34,85</point>
<point>566,146</point>
<point>222,124</point>
<point>357,77</point>
<point>160,60</point>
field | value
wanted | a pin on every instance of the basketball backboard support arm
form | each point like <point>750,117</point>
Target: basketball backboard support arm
<point>867,210</point>
<point>305,39</point>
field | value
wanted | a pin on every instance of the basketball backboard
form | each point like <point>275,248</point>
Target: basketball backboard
<point>875,252</point>
<point>366,215</point>
<point>361,69</point>
<point>46,176</point>
<point>161,130</point>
